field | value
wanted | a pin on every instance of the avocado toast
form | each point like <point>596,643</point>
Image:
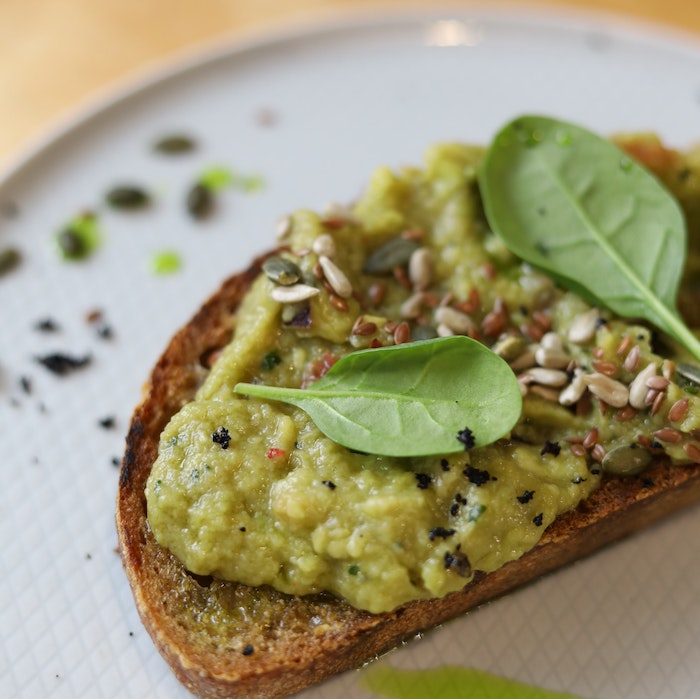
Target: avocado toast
<point>225,638</point>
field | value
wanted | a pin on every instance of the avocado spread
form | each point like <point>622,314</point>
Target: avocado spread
<point>252,491</point>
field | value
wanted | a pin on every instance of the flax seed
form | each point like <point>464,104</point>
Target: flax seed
<point>591,439</point>
<point>339,303</point>
<point>657,383</point>
<point>413,234</point>
<point>402,334</point>
<point>632,359</point>
<point>493,324</point>
<point>598,453</point>
<point>532,330</point>
<point>364,327</point>
<point>606,367</point>
<point>472,303</point>
<point>401,277</point>
<point>658,401</point>
<point>543,320</point>
<point>376,293</point>
<point>679,410</point>
<point>692,451</point>
<point>598,353</point>
<point>578,450</point>
<point>668,435</point>
<point>623,346</point>
<point>489,271</point>
<point>625,413</point>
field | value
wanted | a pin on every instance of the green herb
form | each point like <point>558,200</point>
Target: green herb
<point>216,178</point>
<point>270,361</point>
<point>411,399</point>
<point>80,238</point>
<point>166,262</point>
<point>354,569</point>
<point>475,512</point>
<point>574,205</point>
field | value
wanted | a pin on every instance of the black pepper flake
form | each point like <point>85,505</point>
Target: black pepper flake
<point>242,529</point>
<point>329,484</point>
<point>600,322</point>
<point>47,325</point>
<point>595,471</point>
<point>477,476</point>
<point>248,649</point>
<point>423,480</point>
<point>116,461</point>
<point>444,464</point>
<point>441,533</point>
<point>458,563</point>
<point>466,436</point>
<point>107,422</point>
<point>578,480</point>
<point>25,384</point>
<point>222,437</point>
<point>537,521</point>
<point>62,364</point>
<point>647,482</point>
<point>525,497</point>
<point>552,448</point>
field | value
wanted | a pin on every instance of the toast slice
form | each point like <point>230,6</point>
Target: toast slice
<point>223,639</point>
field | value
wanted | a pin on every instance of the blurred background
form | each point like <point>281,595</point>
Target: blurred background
<point>58,55</point>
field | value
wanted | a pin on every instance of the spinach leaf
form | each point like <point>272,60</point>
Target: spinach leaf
<point>412,399</point>
<point>574,205</point>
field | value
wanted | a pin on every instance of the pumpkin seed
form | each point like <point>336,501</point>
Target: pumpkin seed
<point>690,372</point>
<point>281,270</point>
<point>424,332</point>
<point>394,253</point>
<point>628,460</point>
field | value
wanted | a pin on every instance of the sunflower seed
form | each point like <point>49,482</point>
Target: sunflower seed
<point>547,377</point>
<point>583,327</point>
<point>573,392</point>
<point>455,320</point>
<point>335,277</point>
<point>638,389</point>
<point>412,306</point>
<point>324,245</point>
<point>608,390</point>
<point>293,293</point>
<point>420,268</point>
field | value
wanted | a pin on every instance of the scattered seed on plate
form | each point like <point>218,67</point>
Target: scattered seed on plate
<point>128,197</point>
<point>10,258</point>
<point>200,202</point>
<point>62,364</point>
<point>175,144</point>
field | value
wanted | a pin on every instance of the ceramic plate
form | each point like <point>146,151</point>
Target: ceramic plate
<point>301,118</point>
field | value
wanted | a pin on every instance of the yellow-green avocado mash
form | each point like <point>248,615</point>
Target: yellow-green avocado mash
<point>251,491</point>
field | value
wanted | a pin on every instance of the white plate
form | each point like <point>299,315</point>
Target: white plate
<point>347,98</point>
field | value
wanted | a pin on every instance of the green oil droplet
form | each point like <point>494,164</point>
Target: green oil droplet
<point>626,163</point>
<point>166,262</point>
<point>563,138</point>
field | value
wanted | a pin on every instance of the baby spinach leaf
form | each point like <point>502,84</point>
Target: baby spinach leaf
<point>411,399</point>
<point>574,205</point>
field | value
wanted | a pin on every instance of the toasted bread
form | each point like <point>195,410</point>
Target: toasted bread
<point>223,639</point>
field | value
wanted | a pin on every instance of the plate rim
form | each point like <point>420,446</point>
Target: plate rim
<point>324,23</point>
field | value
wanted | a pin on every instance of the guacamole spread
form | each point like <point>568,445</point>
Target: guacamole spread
<point>252,491</point>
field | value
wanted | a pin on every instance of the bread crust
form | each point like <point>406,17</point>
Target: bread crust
<point>280,644</point>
